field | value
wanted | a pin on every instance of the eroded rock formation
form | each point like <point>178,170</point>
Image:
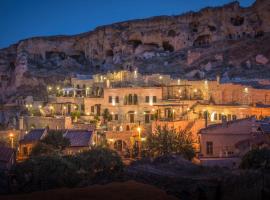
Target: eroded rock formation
<point>226,36</point>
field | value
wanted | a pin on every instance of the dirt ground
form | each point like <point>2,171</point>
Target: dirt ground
<point>129,190</point>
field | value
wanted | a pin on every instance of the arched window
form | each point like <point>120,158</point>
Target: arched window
<point>126,100</point>
<point>135,99</point>
<point>130,99</point>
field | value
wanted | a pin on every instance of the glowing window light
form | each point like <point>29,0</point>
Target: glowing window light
<point>143,139</point>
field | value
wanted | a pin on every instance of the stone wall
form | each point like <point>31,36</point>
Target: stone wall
<point>28,122</point>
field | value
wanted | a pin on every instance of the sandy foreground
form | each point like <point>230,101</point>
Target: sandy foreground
<point>114,191</point>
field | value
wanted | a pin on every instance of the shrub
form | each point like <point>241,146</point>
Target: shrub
<point>46,172</point>
<point>256,159</point>
<point>99,163</point>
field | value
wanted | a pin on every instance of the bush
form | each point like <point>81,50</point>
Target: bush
<point>4,183</point>
<point>98,163</point>
<point>256,159</point>
<point>46,172</point>
<point>42,149</point>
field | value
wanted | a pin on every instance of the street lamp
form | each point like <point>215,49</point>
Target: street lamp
<point>64,110</point>
<point>51,109</point>
<point>11,136</point>
<point>139,131</point>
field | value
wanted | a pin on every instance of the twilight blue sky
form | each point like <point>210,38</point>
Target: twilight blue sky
<point>20,19</point>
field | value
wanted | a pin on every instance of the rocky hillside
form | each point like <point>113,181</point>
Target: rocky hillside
<point>230,41</point>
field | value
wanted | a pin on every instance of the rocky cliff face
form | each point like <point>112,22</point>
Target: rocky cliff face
<point>230,41</point>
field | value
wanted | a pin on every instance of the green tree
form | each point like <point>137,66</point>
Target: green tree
<point>75,115</point>
<point>106,115</point>
<point>56,139</point>
<point>167,141</point>
<point>256,159</point>
<point>53,144</point>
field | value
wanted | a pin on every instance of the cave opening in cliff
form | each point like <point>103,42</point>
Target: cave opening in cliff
<point>12,66</point>
<point>135,43</point>
<point>237,21</point>
<point>109,53</point>
<point>167,46</point>
<point>171,33</point>
<point>202,40</point>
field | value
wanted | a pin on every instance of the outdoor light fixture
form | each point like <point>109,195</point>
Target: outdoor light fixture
<point>143,139</point>
<point>11,136</point>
